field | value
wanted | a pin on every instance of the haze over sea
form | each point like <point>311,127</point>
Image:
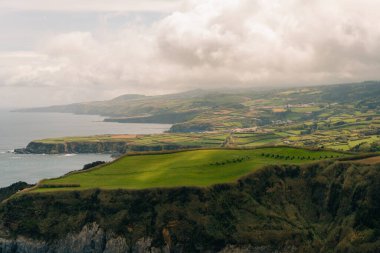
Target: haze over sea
<point>18,129</point>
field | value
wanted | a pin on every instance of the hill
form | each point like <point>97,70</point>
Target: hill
<point>203,110</point>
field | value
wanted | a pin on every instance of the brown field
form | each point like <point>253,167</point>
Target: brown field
<point>123,136</point>
<point>371,160</point>
<point>278,110</point>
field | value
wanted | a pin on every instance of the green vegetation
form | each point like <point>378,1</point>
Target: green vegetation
<point>200,139</point>
<point>187,168</point>
<point>6,192</point>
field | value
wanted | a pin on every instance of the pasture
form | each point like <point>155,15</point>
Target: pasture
<point>187,168</point>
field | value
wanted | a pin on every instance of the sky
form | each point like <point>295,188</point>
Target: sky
<point>59,52</point>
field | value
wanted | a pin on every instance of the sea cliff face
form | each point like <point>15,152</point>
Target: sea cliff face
<point>95,147</point>
<point>324,207</point>
<point>93,239</point>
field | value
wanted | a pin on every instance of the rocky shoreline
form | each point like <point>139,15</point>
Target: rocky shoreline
<point>100,147</point>
<point>92,238</point>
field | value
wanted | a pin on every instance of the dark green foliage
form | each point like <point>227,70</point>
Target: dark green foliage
<point>6,192</point>
<point>191,127</point>
<point>369,212</point>
<point>367,147</point>
<point>59,185</point>
<point>234,160</point>
<point>92,165</point>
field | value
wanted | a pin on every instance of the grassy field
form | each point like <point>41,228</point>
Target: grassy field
<point>201,139</point>
<point>187,168</point>
<point>342,137</point>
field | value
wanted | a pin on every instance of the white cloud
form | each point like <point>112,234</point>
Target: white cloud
<point>212,43</point>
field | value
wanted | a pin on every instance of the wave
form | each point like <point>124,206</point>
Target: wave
<point>69,155</point>
<point>7,151</point>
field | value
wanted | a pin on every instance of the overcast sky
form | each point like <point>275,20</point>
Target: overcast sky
<point>57,52</point>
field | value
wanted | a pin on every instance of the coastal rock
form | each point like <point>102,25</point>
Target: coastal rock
<point>22,245</point>
<point>91,239</point>
<point>95,148</point>
<point>94,240</point>
<point>74,147</point>
<point>21,151</point>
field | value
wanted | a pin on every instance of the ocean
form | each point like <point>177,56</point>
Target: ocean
<point>17,129</point>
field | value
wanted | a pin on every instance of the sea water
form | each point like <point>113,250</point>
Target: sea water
<point>17,129</point>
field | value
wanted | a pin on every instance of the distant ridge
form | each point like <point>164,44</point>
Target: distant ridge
<point>128,97</point>
<point>207,110</point>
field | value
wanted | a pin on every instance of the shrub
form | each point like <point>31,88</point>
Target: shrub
<point>59,185</point>
<point>92,165</point>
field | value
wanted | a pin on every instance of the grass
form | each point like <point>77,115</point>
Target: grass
<point>306,109</point>
<point>187,168</point>
<point>201,139</point>
<point>254,140</point>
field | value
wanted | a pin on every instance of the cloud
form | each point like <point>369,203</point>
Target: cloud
<point>261,42</point>
<point>90,5</point>
<point>213,43</point>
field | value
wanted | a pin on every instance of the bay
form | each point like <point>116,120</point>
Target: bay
<point>17,129</point>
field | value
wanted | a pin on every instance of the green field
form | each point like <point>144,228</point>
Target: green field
<point>202,139</point>
<point>187,168</point>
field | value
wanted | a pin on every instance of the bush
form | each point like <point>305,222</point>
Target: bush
<point>6,192</point>
<point>92,165</point>
<point>59,185</point>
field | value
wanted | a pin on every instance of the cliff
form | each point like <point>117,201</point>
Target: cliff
<point>323,207</point>
<point>94,239</point>
<point>110,147</point>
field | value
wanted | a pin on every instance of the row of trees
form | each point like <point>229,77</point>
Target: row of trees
<point>288,157</point>
<point>234,160</point>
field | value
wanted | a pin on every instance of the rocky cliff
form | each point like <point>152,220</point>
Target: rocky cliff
<point>93,239</point>
<point>110,147</point>
<point>323,207</point>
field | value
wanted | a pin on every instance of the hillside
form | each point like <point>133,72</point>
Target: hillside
<point>200,110</point>
<point>340,117</point>
<point>321,207</point>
